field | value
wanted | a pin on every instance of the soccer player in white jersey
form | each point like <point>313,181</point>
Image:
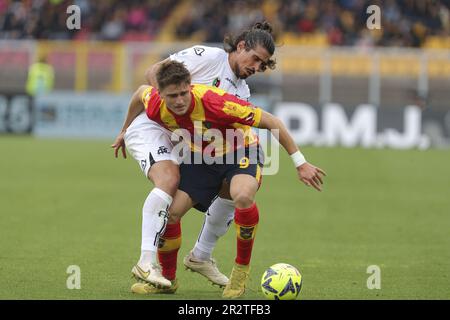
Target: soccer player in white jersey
<point>150,145</point>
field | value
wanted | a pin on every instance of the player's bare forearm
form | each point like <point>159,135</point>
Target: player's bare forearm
<point>270,122</point>
<point>150,76</point>
<point>150,73</point>
<point>134,109</point>
<point>307,173</point>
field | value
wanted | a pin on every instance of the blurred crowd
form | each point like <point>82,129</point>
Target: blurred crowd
<point>404,22</point>
<point>344,22</point>
<point>215,18</point>
<point>100,20</point>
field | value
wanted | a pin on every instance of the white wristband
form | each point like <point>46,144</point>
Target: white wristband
<point>298,159</point>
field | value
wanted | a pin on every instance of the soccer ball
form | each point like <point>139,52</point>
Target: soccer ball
<point>281,282</point>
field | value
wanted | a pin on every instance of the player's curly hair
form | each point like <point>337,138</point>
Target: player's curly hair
<point>172,72</point>
<point>259,34</point>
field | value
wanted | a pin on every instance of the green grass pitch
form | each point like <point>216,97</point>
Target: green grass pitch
<point>67,202</point>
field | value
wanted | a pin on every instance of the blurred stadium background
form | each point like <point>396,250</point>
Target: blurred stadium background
<point>326,54</point>
<point>337,84</point>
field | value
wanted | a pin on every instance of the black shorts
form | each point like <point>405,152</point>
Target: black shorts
<point>202,181</point>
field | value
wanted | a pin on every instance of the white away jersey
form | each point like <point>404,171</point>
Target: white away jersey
<point>209,66</point>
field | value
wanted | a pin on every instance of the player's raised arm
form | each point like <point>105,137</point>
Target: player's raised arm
<point>135,108</point>
<point>150,73</point>
<point>308,173</point>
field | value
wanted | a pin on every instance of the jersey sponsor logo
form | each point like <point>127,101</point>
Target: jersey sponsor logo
<point>199,51</point>
<point>232,82</point>
<point>162,150</point>
<point>216,82</point>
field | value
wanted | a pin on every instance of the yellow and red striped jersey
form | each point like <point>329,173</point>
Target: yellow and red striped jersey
<point>211,108</point>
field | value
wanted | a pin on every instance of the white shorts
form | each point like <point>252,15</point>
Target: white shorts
<point>148,142</point>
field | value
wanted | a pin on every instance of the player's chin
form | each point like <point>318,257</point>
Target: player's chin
<point>180,111</point>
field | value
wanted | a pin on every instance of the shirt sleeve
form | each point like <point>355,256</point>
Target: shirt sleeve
<point>230,109</point>
<point>145,97</point>
<point>243,113</point>
<point>152,101</point>
<point>198,60</point>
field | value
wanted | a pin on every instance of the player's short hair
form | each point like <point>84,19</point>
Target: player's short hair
<point>259,34</point>
<point>172,72</point>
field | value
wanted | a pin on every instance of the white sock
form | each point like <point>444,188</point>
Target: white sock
<point>147,257</point>
<point>217,221</point>
<point>154,221</point>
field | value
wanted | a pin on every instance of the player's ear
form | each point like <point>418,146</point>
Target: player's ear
<point>240,46</point>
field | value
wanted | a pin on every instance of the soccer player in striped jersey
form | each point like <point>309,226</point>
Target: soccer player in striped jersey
<point>196,109</point>
<point>245,54</point>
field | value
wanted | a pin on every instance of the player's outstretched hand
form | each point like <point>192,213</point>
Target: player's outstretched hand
<point>311,175</point>
<point>118,144</point>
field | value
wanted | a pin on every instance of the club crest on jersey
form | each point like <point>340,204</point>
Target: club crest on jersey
<point>216,82</point>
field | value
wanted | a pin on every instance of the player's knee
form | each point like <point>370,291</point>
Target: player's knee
<point>243,200</point>
<point>173,218</point>
<point>165,177</point>
<point>168,183</point>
